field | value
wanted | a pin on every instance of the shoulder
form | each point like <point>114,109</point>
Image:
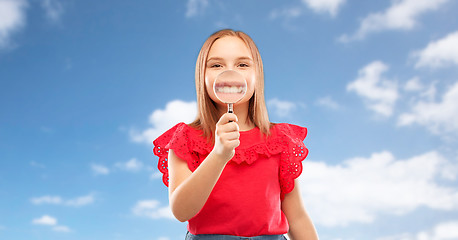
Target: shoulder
<point>288,129</point>
<point>289,141</point>
<point>182,137</point>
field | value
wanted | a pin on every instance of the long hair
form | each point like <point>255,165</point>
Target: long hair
<point>207,113</point>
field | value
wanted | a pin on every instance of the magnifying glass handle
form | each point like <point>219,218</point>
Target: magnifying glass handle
<point>230,109</point>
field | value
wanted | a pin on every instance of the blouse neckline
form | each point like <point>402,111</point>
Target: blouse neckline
<point>249,131</point>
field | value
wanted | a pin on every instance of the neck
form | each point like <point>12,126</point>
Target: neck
<point>241,110</point>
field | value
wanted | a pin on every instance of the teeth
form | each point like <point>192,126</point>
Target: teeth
<point>230,89</point>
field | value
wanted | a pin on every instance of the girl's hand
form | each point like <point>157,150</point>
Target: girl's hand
<point>226,137</point>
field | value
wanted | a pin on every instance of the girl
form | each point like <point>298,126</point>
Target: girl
<point>233,175</point>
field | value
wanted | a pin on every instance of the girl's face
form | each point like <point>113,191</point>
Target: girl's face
<point>230,53</point>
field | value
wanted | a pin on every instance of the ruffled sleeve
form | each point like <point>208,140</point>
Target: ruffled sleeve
<point>289,142</point>
<point>185,145</point>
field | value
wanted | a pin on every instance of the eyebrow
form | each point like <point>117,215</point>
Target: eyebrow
<point>219,58</point>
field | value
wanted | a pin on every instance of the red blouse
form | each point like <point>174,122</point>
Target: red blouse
<point>246,200</point>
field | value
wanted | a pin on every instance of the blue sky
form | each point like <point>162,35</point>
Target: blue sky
<point>85,86</point>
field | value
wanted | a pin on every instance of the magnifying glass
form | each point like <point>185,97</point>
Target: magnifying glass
<point>230,87</point>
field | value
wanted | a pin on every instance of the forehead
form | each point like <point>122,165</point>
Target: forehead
<point>228,47</point>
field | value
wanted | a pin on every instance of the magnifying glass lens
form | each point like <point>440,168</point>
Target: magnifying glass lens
<point>230,86</point>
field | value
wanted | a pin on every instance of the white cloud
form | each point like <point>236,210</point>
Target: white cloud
<point>161,120</point>
<point>438,117</point>
<point>401,15</point>
<point>361,189</point>
<point>35,164</point>
<point>45,220</point>
<point>424,92</point>
<point>281,108</point>
<point>98,169</point>
<point>289,12</point>
<point>195,7</point>
<point>47,130</point>
<point>51,221</point>
<point>61,228</point>
<point>156,175</point>
<point>328,102</point>
<point>325,6</point>
<point>222,25</point>
<point>430,92</point>
<point>151,209</point>
<point>163,238</point>
<point>442,231</point>
<point>53,9</point>
<point>330,7</point>
<point>413,85</point>
<point>80,201</point>
<point>46,200</point>
<point>132,165</point>
<point>57,200</point>
<point>12,20</point>
<point>439,53</point>
<point>379,94</point>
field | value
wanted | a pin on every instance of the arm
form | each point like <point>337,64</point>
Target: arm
<point>189,191</point>
<point>300,224</point>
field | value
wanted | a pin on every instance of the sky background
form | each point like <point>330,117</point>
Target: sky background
<point>85,86</point>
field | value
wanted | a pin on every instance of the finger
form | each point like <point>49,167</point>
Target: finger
<point>230,127</point>
<point>233,143</point>
<point>225,118</point>
<point>231,136</point>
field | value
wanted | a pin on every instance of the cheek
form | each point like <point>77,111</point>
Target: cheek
<point>209,87</point>
<point>251,83</point>
<point>209,79</point>
<point>208,84</point>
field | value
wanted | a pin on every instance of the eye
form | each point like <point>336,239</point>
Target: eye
<point>215,65</point>
<point>243,65</point>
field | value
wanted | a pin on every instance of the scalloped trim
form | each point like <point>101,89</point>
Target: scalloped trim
<point>193,148</point>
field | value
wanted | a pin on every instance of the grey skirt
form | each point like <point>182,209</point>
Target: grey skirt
<point>190,236</point>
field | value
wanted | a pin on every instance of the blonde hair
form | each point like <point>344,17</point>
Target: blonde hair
<point>207,113</point>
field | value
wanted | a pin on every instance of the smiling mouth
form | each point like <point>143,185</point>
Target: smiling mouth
<point>230,88</point>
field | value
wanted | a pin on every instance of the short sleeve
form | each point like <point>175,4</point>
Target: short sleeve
<point>293,153</point>
<point>180,139</point>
